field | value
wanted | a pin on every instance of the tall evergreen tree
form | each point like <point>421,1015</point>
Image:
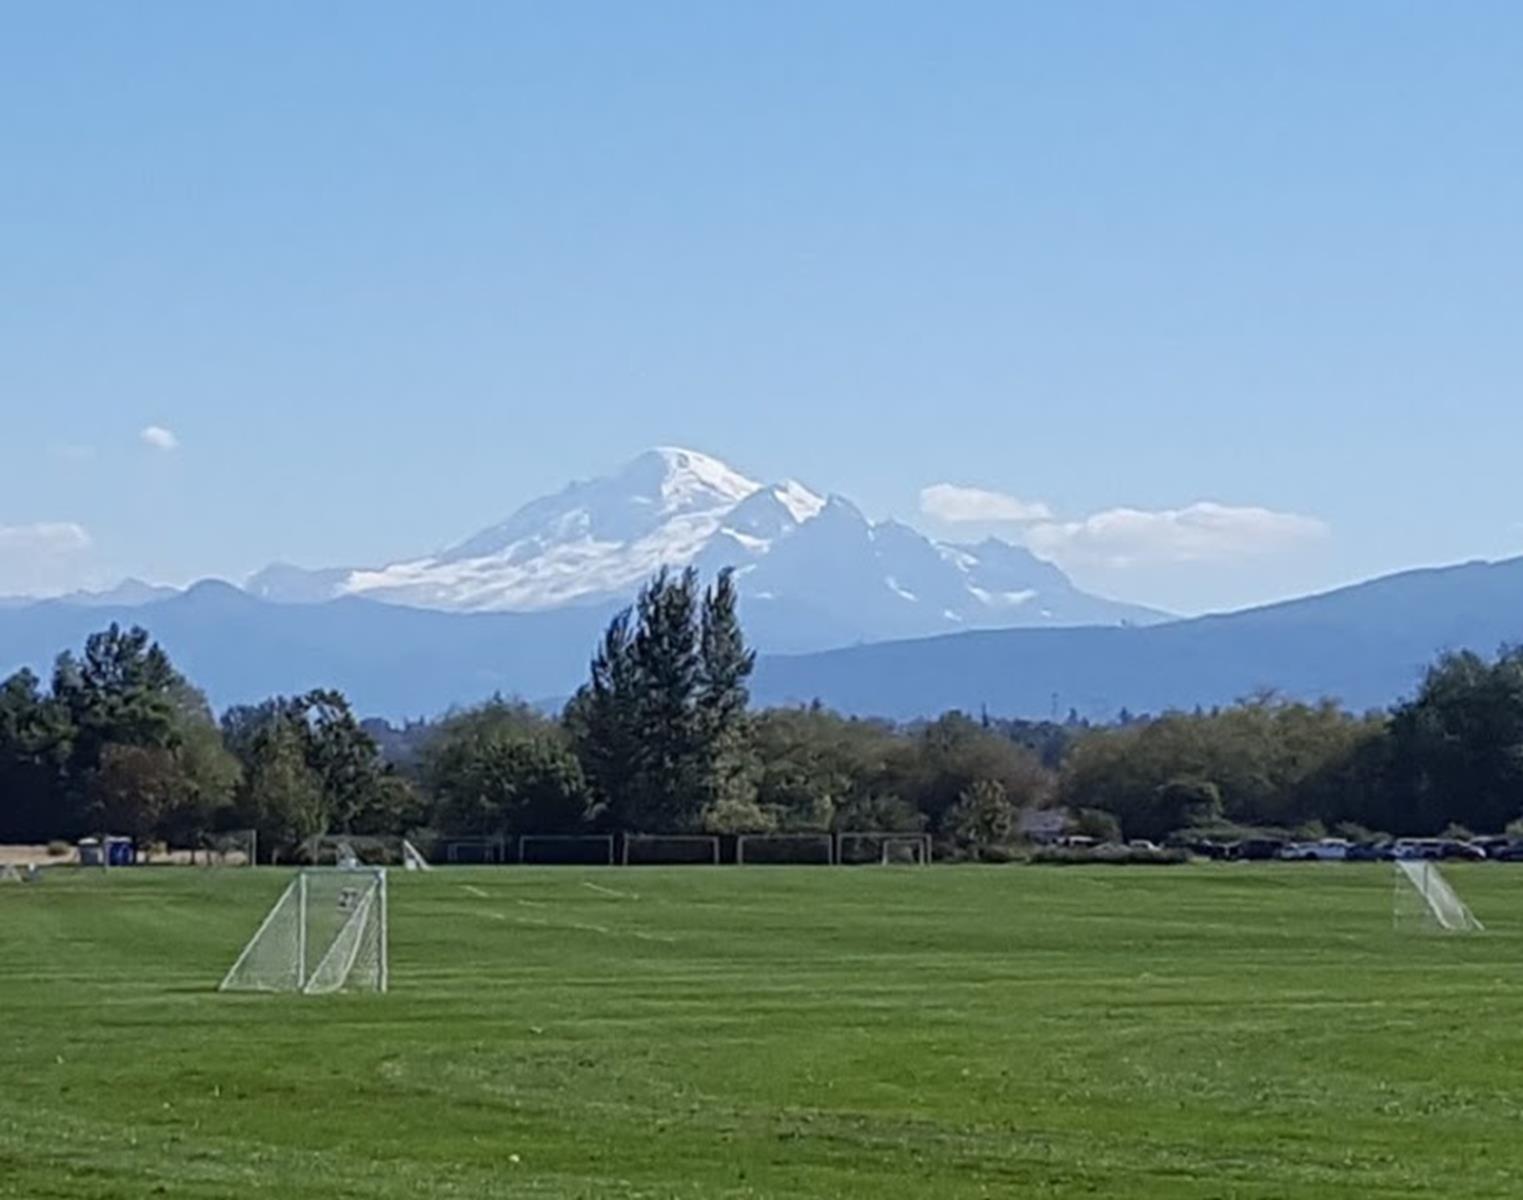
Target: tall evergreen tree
<point>730,768</point>
<point>668,661</point>
<point>603,723</point>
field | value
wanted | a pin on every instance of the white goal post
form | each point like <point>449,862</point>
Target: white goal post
<point>785,849</point>
<point>327,933</point>
<point>1424,899</point>
<point>882,848</point>
<point>671,849</point>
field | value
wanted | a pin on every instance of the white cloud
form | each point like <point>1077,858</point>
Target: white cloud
<point>1202,532</point>
<point>159,438</point>
<point>44,557</point>
<point>44,538</point>
<point>958,505</point>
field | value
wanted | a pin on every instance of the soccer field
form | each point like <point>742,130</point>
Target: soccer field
<point>1214,1031</point>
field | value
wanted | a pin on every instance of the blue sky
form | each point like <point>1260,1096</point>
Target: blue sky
<point>379,273</point>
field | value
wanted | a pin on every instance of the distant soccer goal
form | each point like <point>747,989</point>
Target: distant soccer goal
<point>10,874</point>
<point>232,848</point>
<point>326,933</point>
<point>464,850</point>
<point>566,850</point>
<point>669,849</point>
<point>350,850</point>
<point>766,849</point>
<point>1424,900</point>
<point>882,848</point>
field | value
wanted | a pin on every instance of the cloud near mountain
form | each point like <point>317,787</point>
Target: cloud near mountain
<point>1119,538</point>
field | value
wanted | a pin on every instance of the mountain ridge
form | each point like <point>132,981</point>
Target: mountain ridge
<point>1365,644</point>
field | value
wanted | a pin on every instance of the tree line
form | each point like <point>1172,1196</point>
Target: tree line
<point>662,739</point>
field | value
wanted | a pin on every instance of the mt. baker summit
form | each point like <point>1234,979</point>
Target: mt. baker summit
<point>813,570</point>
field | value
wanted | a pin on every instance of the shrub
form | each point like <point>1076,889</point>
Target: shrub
<point>59,849</point>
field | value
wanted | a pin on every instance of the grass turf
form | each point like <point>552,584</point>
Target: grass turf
<point>1216,1031</point>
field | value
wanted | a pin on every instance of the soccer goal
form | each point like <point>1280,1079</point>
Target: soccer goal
<point>326,933</point>
<point>459,850</point>
<point>234,848</point>
<point>351,850</point>
<point>570,849</point>
<point>9,874</point>
<point>780,848</point>
<point>1424,900</point>
<point>862,848</point>
<point>669,849</point>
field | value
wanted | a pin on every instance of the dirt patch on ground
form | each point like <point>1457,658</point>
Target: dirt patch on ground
<point>17,856</point>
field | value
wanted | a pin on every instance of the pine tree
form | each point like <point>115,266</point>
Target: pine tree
<point>603,721</point>
<point>668,662</point>
<point>729,764</point>
<point>661,727</point>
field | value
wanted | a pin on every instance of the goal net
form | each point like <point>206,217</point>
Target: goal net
<point>9,874</point>
<point>1424,900</point>
<point>326,933</point>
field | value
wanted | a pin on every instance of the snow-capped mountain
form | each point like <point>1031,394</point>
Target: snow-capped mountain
<point>813,569</point>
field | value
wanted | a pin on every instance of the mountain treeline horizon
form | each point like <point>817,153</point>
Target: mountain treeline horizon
<point>663,738</point>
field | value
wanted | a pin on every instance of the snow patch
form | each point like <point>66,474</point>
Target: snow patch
<point>801,503</point>
<point>1003,599</point>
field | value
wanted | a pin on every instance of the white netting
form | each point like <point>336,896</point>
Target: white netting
<point>1424,900</point>
<point>326,933</point>
<point>9,874</point>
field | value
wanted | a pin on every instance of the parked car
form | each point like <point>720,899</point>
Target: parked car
<point>1511,852</point>
<point>1462,851</point>
<point>1322,850</point>
<point>1256,849</point>
<point>1143,844</point>
<point>1371,852</point>
<point>1409,848</point>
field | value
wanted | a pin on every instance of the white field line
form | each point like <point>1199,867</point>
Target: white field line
<point>476,891</point>
<point>585,927</point>
<point>608,891</point>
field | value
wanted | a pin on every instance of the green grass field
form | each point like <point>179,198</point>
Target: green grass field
<point>1220,1031</point>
